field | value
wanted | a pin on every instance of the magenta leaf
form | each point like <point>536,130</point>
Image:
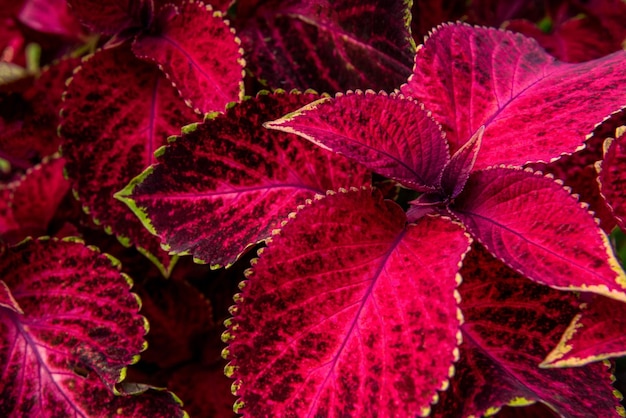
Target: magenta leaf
<point>200,54</point>
<point>458,169</point>
<point>597,333</point>
<point>327,46</point>
<point>390,135</point>
<point>50,16</point>
<point>348,311</point>
<point>79,318</point>
<point>470,76</point>
<point>220,174</point>
<point>612,172</point>
<point>118,110</point>
<point>537,228</point>
<point>510,324</point>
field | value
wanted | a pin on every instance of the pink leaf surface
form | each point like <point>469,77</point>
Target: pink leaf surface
<point>117,111</point>
<point>327,46</point>
<point>612,177</point>
<point>346,313</point>
<point>390,135</point>
<point>79,318</point>
<point>200,54</point>
<point>533,107</point>
<point>220,174</point>
<point>510,325</point>
<point>536,227</point>
<point>597,333</point>
<point>50,16</point>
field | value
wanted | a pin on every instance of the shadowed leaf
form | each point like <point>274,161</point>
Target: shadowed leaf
<point>597,333</point>
<point>200,54</point>
<point>612,177</point>
<point>327,46</point>
<point>118,110</point>
<point>229,170</point>
<point>510,325</point>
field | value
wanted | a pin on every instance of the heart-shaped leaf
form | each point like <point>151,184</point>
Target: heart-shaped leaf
<point>390,135</point>
<point>536,227</point>
<point>510,325</point>
<point>470,76</point>
<point>200,54</point>
<point>597,333</point>
<point>327,46</point>
<point>222,173</point>
<point>612,172</point>
<point>117,111</point>
<point>79,318</point>
<point>348,311</point>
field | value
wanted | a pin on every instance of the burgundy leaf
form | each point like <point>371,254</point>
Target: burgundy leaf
<point>578,170</point>
<point>112,16</point>
<point>426,14</point>
<point>458,169</point>
<point>7,300</point>
<point>536,227</point>
<point>612,176</point>
<point>228,170</point>
<point>578,31</point>
<point>533,107</point>
<point>178,316</point>
<point>7,218</point>
<point>390,135</point>
<point>204,390</point>
<point>200,54</point>
<point>327,46</point>
<point>36,134</point>
<point>597,333</point>
<point>510,325</point>
<point>89,397</point>
<point>523,410</point>
<point>117,111</point>
<point>35,198</point>
<point>79,317</point>
<point>348,311</point>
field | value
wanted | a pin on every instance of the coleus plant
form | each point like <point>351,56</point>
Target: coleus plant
<point>353,307</point>
<point>218,176</point>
